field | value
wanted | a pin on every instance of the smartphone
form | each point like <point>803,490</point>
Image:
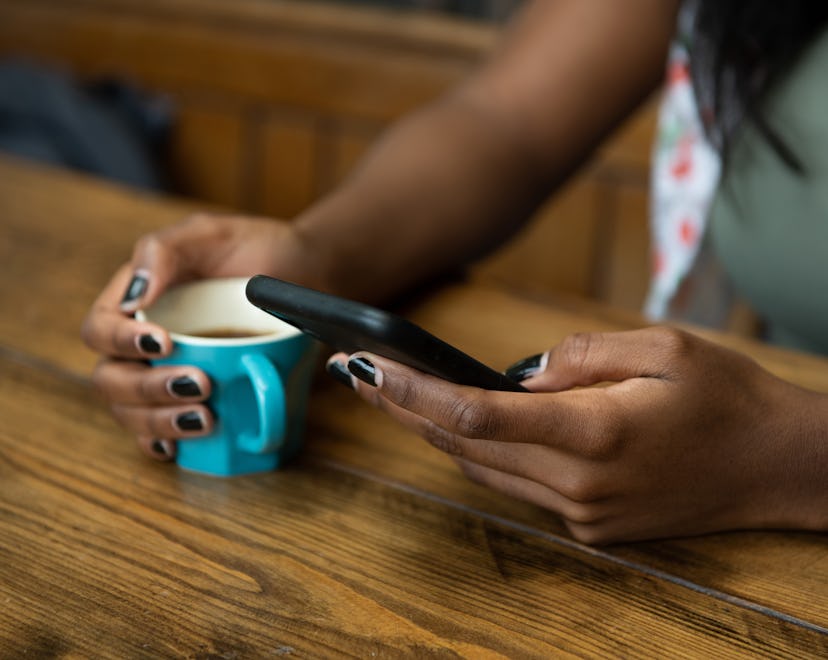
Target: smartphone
<point>350,326</point>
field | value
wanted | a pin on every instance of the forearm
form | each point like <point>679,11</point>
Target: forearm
<point>434,193</point>
<point>797,479</point>
<point>455,178</point>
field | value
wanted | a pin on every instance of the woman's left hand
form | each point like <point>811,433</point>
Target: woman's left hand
<point>681,437</point>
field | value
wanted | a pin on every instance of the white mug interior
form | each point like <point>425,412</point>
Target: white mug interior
<point>204,306</point>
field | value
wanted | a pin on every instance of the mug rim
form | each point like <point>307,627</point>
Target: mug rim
<point>266,336</point>
<point>252,340</point>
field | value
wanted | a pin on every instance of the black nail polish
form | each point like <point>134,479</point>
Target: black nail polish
<point>525,368</point>
<point>185,386</point>
<point>363,369</point>
<point>340,373</point>
<point>137,288</point>
<point>189,421</point>
<point>160,447</point>
<point>149,344</point>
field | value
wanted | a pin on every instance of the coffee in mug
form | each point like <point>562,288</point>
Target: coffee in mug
<point>228,333</point>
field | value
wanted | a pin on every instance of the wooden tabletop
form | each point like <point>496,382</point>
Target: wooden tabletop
<point>371,544</point>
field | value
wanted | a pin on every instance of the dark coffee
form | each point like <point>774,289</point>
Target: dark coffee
<point>229,333</point>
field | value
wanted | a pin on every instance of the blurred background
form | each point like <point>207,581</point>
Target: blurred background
<point>264,105</point>
<point>495,10</point>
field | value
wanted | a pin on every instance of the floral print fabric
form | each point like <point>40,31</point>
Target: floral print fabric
<point>685,174</point>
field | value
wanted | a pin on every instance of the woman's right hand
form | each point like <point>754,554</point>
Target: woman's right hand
<point>163,404</point>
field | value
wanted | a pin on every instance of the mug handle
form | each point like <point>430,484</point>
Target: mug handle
<point>270,401</point>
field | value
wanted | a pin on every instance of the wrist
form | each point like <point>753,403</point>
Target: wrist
<point>339,238</point>
<point>298,255</point>
<point>814,459</point>
<point>799,454</point>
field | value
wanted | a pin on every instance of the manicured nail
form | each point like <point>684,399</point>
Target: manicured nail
<point>162,448</point>
<point>149,344</point>
<point>527,367</point>
<point>363,369</point>
<point>184,386</point>
<point>137,288</point>
<point>189,421</point>
<point>336,369</point>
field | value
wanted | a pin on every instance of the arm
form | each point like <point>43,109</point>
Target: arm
<point>455,178</point>
<point>441,187</point>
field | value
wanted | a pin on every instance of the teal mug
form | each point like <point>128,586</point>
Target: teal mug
<point>260,369</point>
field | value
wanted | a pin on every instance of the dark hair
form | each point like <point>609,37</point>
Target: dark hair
<point>738,50</point>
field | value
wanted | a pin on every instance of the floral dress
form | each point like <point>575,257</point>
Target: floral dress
<point>687,283</point>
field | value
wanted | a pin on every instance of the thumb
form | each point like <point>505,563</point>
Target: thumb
<point>164,258</point>
<point>585,359</point>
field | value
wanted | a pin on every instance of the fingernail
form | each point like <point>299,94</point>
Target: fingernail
<point>189,421</point>
<point>336,369</point>
<point>149,344</point>
<point>364,370</point>
<point>137,288</point>
<point>527,367</point>
<point>184,386</point>
<point>162,448</point>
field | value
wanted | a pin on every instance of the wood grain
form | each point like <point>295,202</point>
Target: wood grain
<point>277,99</point>
<point>344,73</point>
<point>308,560</point>
<point>60,243</point>
<point>622,270</point>
<point>152,544</point>
<point>557,250</point>
<point>287,149</point>
<point>207,152</point>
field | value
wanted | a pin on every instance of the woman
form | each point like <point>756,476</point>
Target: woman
<point>691,437</point>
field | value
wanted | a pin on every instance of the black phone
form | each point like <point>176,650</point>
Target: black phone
<point>350,326</point>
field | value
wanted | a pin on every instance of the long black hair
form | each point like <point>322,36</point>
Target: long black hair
<point>738,50</point>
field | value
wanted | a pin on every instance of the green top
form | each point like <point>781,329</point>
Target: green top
<point>769,225</point>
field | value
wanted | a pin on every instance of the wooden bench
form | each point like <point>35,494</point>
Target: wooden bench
<point>276,100</point>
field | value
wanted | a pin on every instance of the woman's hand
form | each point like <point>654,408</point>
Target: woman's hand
<point>683,436</point>
<point>163,404</point>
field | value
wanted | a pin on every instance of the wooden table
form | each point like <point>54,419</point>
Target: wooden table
<point>371,544</point>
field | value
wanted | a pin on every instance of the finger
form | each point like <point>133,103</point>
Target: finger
<point>174,254</point>
<point>567,474</point>
<point>587,423</point>
<point>139,384</point>
<point>465,411</point>
<point>528,472</point>
<point>110,298</point>
<point>527,461</point>
<point>570,476</point>
<point>115,335</point>
<point>108,330</point>
<point>589,358</point>
<point>157,448</point>
<point>435,434</point>
<point>530,461</point>
<point>335,366</point>
<point>531,491</point>
<point>179,422</point>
